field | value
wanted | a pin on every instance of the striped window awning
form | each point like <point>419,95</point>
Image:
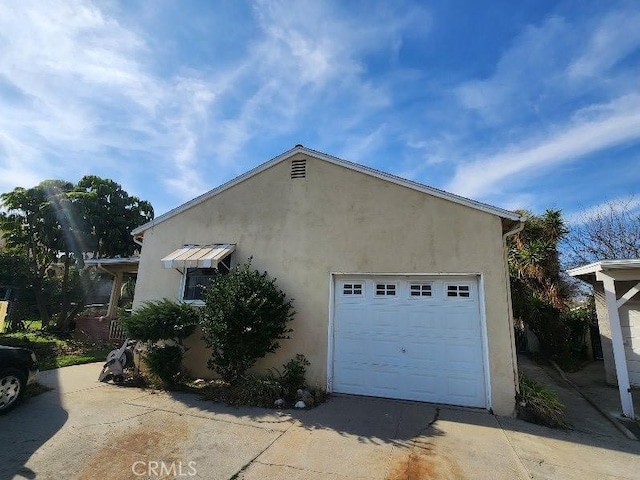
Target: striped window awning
<point>198,256</point>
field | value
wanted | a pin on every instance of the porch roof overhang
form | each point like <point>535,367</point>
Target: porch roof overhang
<point>112,265</point>
<point>609,272</point>
<point>198,256</point>
<point>628,269</point>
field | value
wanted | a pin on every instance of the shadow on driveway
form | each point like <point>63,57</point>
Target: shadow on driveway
<point>29,427</point>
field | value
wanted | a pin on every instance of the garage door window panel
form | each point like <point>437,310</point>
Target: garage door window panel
<point>420,291</point>
<point>386,290</point>
<point>458,291</point>
<point>353,289</point>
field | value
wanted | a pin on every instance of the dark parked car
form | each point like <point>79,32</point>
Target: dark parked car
<point>18,368</point>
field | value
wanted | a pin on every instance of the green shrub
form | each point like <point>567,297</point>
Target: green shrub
<point>293,377</point>
<point>248,390</point>
<point>539,404</point>
<point>244,316</point>
<point>157,321</point>
<point>165,361</point>
<point>161,320</point>
<point>578,321</point>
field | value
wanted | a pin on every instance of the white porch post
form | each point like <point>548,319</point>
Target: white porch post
<point>619,356</point>
<point>115,294</point>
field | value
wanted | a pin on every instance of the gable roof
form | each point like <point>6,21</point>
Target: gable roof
<point>506,214</point>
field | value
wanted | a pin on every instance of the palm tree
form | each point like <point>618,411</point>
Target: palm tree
<point>534,262</point>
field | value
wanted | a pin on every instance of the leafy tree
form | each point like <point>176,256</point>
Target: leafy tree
<point>56,224</point>
<point>244,316</point>
<point>16,286</point>
<point>540,292</point>
<point>38,224</point>
<point>609,233</point>
<point>534,258</point>
<point>110,213</point>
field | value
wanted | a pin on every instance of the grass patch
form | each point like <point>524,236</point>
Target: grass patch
<point>539,404</point>
<point>53,352</point>
<point>89,356</point>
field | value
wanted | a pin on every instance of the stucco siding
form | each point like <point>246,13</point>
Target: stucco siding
<point>630,325</point>
<point>337,220</point>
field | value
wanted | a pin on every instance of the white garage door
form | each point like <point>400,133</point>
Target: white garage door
<point>412,338</point>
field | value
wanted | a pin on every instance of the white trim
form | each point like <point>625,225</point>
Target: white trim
<point>629,295</point>
<point>485,341</point>
<point>333,278</point>
<point>336,161</point>
<point>604,265</point>
<point>330,329</point>
<point>112,261</point>
<point>619,354</point>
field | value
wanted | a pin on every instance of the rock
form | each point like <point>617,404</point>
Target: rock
<point>299,393</point>
<point>300,404</point>
<point>279,402</point>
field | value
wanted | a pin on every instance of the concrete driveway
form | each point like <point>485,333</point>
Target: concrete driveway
<point>83,429</point>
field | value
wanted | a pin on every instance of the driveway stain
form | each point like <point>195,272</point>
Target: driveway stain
<point>153,450</point>
<point>424,463</point>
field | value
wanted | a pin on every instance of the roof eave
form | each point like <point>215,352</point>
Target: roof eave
<point>593,268</point>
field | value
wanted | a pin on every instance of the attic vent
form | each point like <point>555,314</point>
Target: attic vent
<point>298,169</point>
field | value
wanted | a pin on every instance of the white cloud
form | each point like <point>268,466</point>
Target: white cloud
<point>606,126</point>
<point>304,67</point>
<point>630,203</point>
<point>523,75</point>
<point>617,36</point>
<point>360,147</point>
<point>79,89</point>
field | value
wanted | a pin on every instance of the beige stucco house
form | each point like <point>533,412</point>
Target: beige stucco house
<point>401,290</point>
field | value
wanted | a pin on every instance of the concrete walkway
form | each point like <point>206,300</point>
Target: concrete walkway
<point>83,429</point>
<point>592,405</point>
<point>591,381</point>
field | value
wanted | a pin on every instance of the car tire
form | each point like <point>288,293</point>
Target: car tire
<point>13,383</point>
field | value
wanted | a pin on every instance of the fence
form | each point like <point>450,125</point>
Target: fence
<point>116,332</point>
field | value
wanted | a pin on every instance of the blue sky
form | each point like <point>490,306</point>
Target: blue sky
<point>530,104</point>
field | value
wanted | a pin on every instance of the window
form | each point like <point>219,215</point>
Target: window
<point>420,290</point>
<point>197,279</point>
<point>385,289</point>
<point>352,289</point>
<point>457,290</point>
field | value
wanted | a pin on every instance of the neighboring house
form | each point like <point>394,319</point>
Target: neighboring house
<point>616,285</point>
<point>400,290</point>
